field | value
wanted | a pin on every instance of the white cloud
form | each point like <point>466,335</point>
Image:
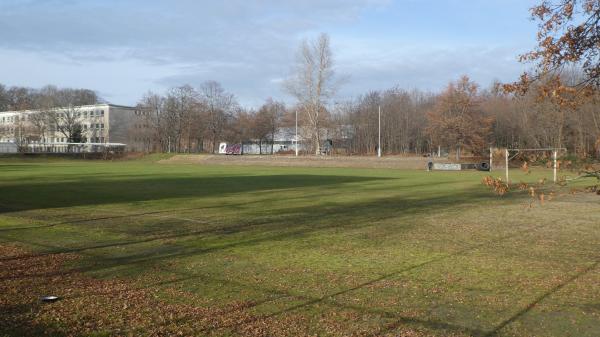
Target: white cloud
<point>123,48</point>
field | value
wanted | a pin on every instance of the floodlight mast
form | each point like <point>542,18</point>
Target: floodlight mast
<point>379,135</point>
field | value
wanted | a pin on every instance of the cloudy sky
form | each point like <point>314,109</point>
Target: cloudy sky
<point>123,48</point>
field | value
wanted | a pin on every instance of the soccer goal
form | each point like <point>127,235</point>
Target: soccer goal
<point>521,158</point>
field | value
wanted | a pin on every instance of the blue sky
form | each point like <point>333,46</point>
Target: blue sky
<point>124,48</point>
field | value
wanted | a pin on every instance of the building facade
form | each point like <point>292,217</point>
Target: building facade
<point>89,124</point>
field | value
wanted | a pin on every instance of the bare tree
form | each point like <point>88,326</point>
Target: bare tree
<point>242,127</point>
<point>40,121</point>
<point>152,107</point>
<point>174,122</point>
<point>218,107</point>
<point>20,98</point>
<point>68,122</point>
<point>268,119</point>
<point>195,125</point>
<point>4,103</point>
<point>20,131</point>
<point>180,106</point>
<point>47,100</point>
<point>313,84</point>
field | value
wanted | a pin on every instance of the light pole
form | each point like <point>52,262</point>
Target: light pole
<point>296,133</point>
<point>379,135</point>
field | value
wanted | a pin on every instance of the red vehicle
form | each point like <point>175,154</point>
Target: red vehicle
<point>234,149</point>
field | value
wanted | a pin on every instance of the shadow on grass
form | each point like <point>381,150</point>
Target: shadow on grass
<point>93,191</point>
<point>294,222</point>
<point>17,167</point>
<point>301,221</point>
<point>399,320</point>
<point>297,222</point>
<point>291,223</point>
<point>536,301</point>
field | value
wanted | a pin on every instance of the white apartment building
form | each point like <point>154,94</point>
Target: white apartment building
<point>97,124</point>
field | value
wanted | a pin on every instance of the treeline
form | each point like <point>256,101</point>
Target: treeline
<point>466,117</point>
<point>17,98</point>
<point>463,118</point>
<point>188,119</point>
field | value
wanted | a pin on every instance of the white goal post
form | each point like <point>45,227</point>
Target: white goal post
<point>517,151</point>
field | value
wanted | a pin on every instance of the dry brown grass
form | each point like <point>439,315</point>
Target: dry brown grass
<point>393,162</point>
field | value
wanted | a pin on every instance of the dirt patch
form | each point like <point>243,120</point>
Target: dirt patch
<point>391,162</point>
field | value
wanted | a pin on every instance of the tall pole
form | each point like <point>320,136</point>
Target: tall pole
<point>379,141</point>
<point>554,155</point>
<point>506,164</point>
<point>296,133</point>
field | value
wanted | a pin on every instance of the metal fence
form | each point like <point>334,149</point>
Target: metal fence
<point>73,148</point>
<point>9,148</point>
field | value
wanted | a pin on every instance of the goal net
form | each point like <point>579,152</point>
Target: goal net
<point>515,164</point>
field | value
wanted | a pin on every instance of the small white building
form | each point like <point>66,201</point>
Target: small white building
<point>284,140</point>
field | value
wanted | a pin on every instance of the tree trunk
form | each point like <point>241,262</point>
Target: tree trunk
<point>317,138</point>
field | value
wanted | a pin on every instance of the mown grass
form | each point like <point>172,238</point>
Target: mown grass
<point>346,250</point>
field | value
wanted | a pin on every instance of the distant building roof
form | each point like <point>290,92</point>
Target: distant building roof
<point>77,107</point>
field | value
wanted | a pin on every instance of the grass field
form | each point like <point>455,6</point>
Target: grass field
<point>140,248</point>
